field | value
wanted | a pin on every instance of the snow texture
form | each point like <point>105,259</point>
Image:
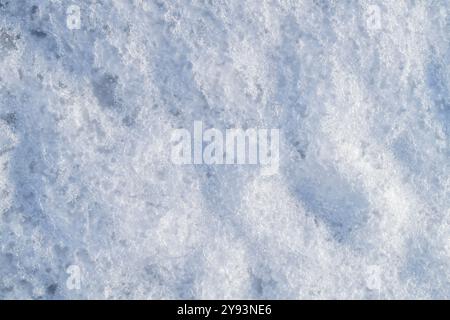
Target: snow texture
<point>360,207</point>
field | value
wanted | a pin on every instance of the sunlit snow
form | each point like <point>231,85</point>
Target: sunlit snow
<point>91,205</point>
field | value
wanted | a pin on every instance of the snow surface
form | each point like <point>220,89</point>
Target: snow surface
<point>360,207</point>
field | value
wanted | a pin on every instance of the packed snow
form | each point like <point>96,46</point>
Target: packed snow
<point>92,207</point>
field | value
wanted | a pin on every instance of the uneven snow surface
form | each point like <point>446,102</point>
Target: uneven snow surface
<point>91,205</point>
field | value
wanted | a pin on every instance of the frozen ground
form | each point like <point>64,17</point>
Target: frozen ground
<point>360,207</point>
